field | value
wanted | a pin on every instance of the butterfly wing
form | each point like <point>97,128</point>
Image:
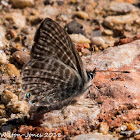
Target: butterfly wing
<point>55,73</point>
<point>52,40</point>
<point>50,81</point>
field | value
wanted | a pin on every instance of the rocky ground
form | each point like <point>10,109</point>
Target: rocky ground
<point>107,36</point>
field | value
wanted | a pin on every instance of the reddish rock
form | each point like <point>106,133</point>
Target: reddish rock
<point>126,40</point>
<point>118,92</point>
<point>115,89</point>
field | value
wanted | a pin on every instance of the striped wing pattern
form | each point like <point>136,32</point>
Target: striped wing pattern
<point>55,73</point>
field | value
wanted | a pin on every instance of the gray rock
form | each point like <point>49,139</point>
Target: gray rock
<point>74,27</point>
<point>95,136</point>
<point>122,7</point>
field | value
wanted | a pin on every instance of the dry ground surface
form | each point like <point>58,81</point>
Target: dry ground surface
<point>106,34</point>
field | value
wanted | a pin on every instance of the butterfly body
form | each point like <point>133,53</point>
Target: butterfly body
<point>55,74</point>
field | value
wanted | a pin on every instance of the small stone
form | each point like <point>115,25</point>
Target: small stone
<point>7,96</point>
<point>97,41</point>
<point>3,120</point>
<point>50,10</point>
<point>48,2</point>
<point>21,57</point>
<point>127,27</point>
<point>130,127</point>
<point>12,70</point>
<point>85,51</point>
<point>108,32</point>
<point>17,18</point>
<point>11,34</point>
<point>96,48</point>
<point>96,33</point>
<point>19,107</point>
<point>137,137</point>
<point>3,113</point>
<point>80,46</point>
<point>122,8</point>
<point>104,128</point>
<point>1,88</point>
<point>79,39</point>
<point>3,57</point>
<point>2,106</point>
<point>82,15</point>
<point>112,21</point>
<point>2,37</point>
<point>123,127</point>
<point>60,2</point>
<point>73,1</point>
<point>74,27</point>
<point>104,46</point>
<point>22,3</point>
<point>62,17</point>
<point>18,46</point>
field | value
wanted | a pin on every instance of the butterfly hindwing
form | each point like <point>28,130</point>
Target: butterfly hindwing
<point>50,81</point>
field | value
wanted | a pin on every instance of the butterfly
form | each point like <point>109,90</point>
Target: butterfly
<point>55,74</point>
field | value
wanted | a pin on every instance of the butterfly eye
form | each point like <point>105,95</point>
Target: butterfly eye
<point>32,102</point>
<point>28,95</point>
<point>91,75</point>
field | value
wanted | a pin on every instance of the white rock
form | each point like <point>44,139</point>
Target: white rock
<point>115,57</point>
<point>94,136</point>
<point>49,11</point>
<point>111,21</point>
<point>2,37</point>
<point>97,41</point>
<point>79,39</point>
<point>3,58</point>
<point>22,3</point>
<point>17,18</point>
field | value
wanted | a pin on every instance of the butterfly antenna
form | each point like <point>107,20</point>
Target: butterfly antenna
<point>113,71</point>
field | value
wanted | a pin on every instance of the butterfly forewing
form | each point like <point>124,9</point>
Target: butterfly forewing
<point>55,72</point>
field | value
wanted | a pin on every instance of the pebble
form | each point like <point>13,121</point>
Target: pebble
<point>3,120</point>
<point>96,33</point>
<point>79,39</point>
<point>2,36</point>
<point>21,57</point>
<point>97,41</point>
<point>3,113</point>
<point>104,128</point>
<point>11,34</point>
<point>19,107</point>
<point>130,126</point>
<point>74,27</point>
<point>82,15</point>
<point>12,70</point>
<point>1,88</point>
<point>8,96</point>
<point>48,2</point>
<point>17,18</point>
<point>3,57</point>
<point>112,21</point>
<point>108,32</point>
<point>122,7</point>
<point>123,127</point>
<point>85,51</point>
<point>62,17</point>
<point>22,3</point>
<point>2,106</point>
<point>49,10</point>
